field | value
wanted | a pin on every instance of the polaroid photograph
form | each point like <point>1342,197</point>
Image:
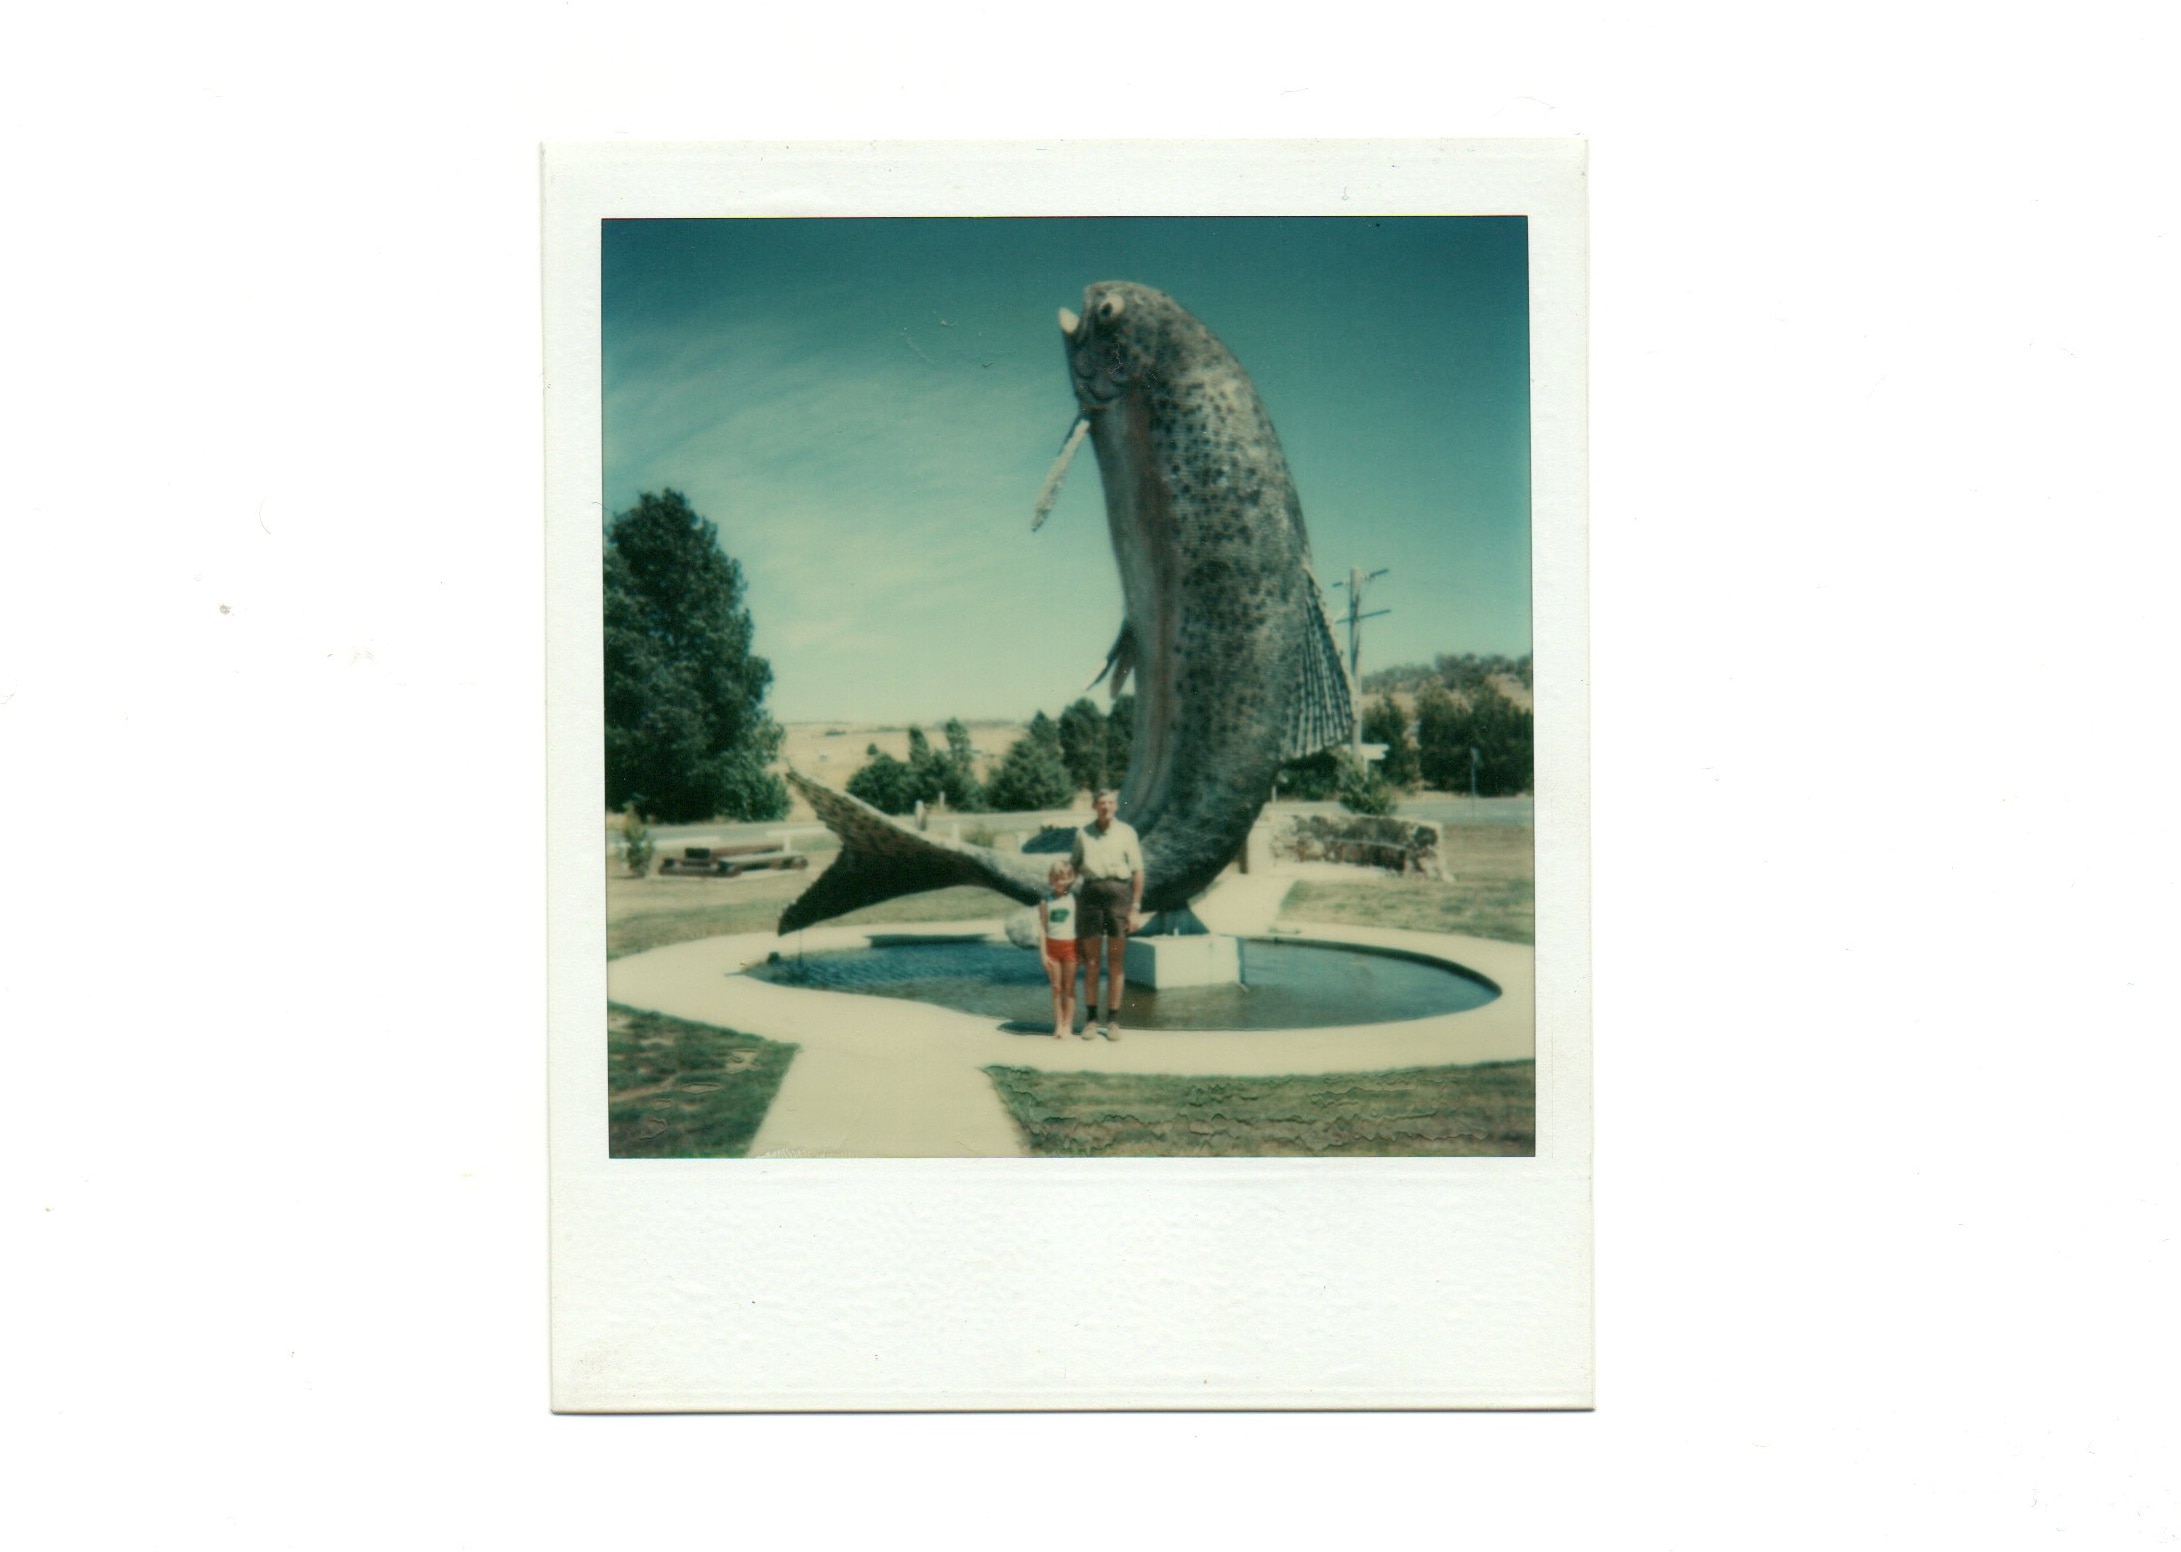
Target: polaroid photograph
<point>1068,776</point>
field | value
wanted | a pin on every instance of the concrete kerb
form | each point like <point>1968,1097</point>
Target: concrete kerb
<point>881,1077</point>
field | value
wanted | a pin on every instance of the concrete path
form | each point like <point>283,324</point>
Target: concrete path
<point>888,1078</point>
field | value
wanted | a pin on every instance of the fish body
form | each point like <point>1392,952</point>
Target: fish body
<point>1235,665</point>
<point>1224,630</point>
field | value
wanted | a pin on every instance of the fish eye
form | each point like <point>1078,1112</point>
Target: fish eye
<point>1109,307</point>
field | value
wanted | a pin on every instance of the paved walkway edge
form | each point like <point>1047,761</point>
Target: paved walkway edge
<point>879,1077</point>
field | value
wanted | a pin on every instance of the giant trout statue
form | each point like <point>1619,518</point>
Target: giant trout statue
<point>1226,635</point>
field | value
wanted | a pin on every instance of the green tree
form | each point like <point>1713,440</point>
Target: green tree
<point>948,778</point>
<point>1461,674</point>
<point>1442,741</point>
<point>1384,722</point>
<point>1362,789</point>
<point>1504,736</point>
<point>637,846</point>
<point>1083,743</point>
<point>958,781</point>
<point>1311,779</point>
<point>1031,776</point>
<point>1501,733</point>
<point>1336,773</point>
<point>885,783</point>
<point>927,776</point>
<point>687,736</point>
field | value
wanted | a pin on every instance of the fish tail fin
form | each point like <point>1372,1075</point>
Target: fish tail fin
<point>881,860</point>
<point>1323,710</point>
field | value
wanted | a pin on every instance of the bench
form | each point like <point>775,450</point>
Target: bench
<point>729,861</point>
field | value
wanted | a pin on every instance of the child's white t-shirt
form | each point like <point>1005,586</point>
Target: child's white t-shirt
<point>1060,918</point>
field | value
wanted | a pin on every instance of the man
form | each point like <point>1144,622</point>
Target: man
<point>1110,861</point>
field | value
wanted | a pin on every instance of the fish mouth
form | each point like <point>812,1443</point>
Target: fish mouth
<point>1094,389</point>
<point>1095,373</point>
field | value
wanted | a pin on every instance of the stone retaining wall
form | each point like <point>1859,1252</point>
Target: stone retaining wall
<point>1397,845</point>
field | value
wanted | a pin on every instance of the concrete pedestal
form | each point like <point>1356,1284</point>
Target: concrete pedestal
<point>1207,959</point>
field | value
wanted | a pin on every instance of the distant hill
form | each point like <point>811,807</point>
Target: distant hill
<point>1460,674</point>
<point>834,751</point>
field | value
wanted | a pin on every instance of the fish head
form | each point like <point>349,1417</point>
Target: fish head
<point>1118,339</point>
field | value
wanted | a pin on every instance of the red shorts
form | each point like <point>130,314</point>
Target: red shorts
<point>1062,949</point>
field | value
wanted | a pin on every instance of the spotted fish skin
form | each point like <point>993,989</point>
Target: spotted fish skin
<point>1224,629</point>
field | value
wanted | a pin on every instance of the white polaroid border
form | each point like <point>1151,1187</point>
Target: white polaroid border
<point>792,1285</point>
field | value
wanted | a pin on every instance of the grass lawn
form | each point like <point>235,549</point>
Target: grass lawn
<point>677,1090</point>
<point>648,913</point>
<point>1490,1108</point>
<point>1493,893</point>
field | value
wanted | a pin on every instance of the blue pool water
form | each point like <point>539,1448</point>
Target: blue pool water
<point>1285,985</point>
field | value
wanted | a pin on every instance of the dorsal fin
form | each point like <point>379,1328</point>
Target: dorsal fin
<point>1322,712</point>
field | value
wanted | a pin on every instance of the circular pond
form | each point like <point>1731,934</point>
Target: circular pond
<point>1284,985</point>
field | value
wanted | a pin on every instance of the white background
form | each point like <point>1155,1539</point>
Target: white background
<point>1882,428</point>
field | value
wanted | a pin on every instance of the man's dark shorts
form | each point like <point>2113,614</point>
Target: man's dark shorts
<point>1102,908</point>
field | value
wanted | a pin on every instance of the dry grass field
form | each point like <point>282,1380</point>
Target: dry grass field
<point>1507,684</point>
<point>1492,892</point>
<point>648,913</point>
<point>834,751</point>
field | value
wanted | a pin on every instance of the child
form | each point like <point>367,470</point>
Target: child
<point>1056,928</point>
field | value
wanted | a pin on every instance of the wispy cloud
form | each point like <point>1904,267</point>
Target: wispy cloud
<point>877,497</point>
<point>866,410</point>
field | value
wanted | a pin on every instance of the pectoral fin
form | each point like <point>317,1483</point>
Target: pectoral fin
<point>1120,663</point>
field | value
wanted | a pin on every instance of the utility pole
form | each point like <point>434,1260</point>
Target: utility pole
<point>1355,584</point>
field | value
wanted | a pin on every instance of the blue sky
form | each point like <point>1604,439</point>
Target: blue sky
<point>866,409</point>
